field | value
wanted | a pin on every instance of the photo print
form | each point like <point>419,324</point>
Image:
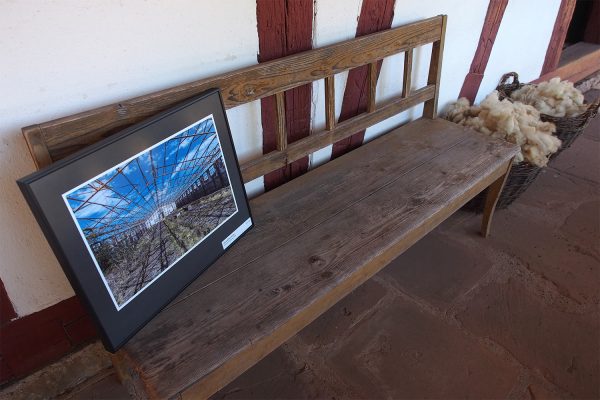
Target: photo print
<point>139,218</point>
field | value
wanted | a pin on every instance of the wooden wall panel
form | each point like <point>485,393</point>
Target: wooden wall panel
<point>284,28</point>
<point>491,24</point>
<point>375,15</point>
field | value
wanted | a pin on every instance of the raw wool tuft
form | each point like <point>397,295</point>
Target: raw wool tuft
<point>555,97</point>
<point>514,122</point>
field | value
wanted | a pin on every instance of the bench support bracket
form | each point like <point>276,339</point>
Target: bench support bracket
<point>491,199</point>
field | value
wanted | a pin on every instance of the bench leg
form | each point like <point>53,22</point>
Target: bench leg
<point>491,198</point>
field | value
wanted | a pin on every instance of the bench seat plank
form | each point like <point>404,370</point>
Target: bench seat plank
<point>312,244</point>
<point>319,202</point>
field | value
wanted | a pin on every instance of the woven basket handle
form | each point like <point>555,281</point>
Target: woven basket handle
<point>504,88</point>
<point>586,116</point>
<point>513,75</point>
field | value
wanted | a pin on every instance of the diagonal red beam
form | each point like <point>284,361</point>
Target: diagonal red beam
<point>559,34</point>
<point>7,312</point>
<point>284,28</point>
<point>375,16</point>
<point>33,341</point>
<point>491,24</point>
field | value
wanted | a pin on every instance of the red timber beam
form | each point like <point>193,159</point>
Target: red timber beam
<point>491,24</point>
<point>7,312</point>
<point>33,341</point>
<point>284,28</point>
<point>559,33</point>
<point>375,16</point>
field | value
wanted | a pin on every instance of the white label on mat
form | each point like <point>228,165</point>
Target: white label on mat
<point>235,234</point>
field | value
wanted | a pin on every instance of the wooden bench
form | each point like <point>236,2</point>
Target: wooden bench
<point>317,237</point>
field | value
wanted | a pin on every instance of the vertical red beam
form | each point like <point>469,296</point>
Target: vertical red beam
<point>284,28</point>
<point>7,312</point>
<point>491,24</point>
<point>33,341</point>
<point>559,33</point>
<point>375,15</point>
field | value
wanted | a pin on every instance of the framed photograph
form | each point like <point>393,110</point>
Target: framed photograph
<point>137,217</point>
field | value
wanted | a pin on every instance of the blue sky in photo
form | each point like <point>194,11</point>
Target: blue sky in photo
<point>126,195</point>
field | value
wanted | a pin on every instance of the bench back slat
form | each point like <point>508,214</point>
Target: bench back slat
<point>329,102</point>
<point>308,145</point>
<point>407,79</point>
<point>56,139</point>
<point>435,71</point>
<point>372,77</point>
<point>281,129</point>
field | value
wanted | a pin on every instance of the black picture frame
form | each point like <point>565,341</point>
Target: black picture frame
<point>133,221</point>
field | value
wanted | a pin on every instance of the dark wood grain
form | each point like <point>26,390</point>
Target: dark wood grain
<point>329,102</point>
<point>407,78</point>
<point>372,76</point>
<point>281,130</point>
<point>212,338</point>
<point>66,135</point>
<point>37,146</point>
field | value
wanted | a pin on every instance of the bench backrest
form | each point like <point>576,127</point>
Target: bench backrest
<point>53,140</point>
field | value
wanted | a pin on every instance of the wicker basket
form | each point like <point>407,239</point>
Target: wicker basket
<point>567,128</point>
<point>520,177</point>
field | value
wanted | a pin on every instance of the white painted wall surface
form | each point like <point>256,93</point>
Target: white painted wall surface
<point>334,21</point>
<point>61,57</point>
<point>465,20</point>
<point>521,43</point>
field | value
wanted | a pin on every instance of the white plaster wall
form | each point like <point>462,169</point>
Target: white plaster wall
<point>65,56</point>
<point>334,21</point>
<point>521,42</point>
<point>465,20</point>
<point>62,57</point>
<point>520,46</point>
